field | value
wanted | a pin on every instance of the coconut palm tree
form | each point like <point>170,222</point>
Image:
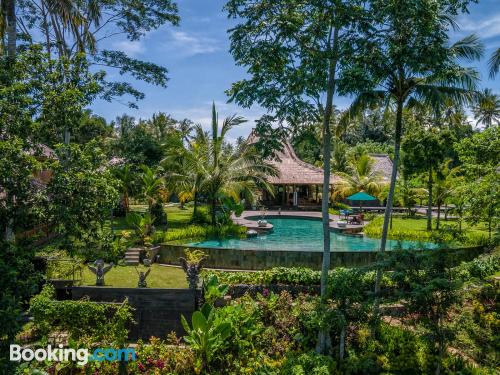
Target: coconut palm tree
<point>233,172</point>
<point>487,109</point>
<point>402,83</point>
<point>187,166</point>
<point>361,177</point>
<point>494,63</point>
<point>151,186</point>
<point>127,184</point>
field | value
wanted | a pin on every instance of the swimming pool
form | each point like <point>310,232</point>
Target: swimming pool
<point>304,234</point>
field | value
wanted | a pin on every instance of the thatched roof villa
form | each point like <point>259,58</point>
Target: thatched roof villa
<point>299,184</point>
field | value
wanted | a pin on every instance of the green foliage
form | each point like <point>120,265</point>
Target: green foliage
<point>60,265</point>
<point>199,231</point>
<point>308,363</point>
<point>479,268</point>
<point>18,281</point>
<point>207,334</point>
<point>86,322</point>
<point>479,153</point>
<point>388,349</point>
<point>143,226</point>
<point>162,356</point>
<point>20,197</point>
<point>82,192</point>
<point>212,290</point>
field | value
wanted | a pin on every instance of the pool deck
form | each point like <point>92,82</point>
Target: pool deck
<point>252,224</point>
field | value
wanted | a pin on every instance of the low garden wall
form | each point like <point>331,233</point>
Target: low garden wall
<point>157,311</point>
<point>260,260</point>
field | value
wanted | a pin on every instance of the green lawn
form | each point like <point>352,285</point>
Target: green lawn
<point>419,223</point>
<point>127,277</point>
<point>177,218</point>
<point>416,227</point>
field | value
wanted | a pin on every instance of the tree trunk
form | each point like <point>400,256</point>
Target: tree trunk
<point>429,202</point>
<point>214,205</point>
<point>11,28</point>
<point>195,204</point>
<point>438,215</point>
<point>342,343</point>
<point>323,337</point>
<point>390,197</point>
<point>45,26</point>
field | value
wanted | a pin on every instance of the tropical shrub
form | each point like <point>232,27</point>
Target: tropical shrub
<point>212,290</point>
<point>60,265</point>
<point>479,268</point>
<point>198,232</point>
<point>83,321</point>
<point>207,335</point>
<point>289,276</point>
<point>158,213</point>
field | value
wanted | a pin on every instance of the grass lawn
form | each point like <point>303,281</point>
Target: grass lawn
<point>176,217</point>
<point>418,225</point>
<point>127,277</point>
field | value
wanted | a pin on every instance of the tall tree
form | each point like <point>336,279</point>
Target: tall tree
<point>406,57</point>
<point>294,52</point>
<point>72,27</point>
<point>424,151</point>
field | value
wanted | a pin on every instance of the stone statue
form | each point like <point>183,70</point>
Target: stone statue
<point>192,272</point>
<point>100,270</point>
<point>142,278</point>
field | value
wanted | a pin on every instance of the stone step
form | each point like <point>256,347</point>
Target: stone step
<point>132,252</point>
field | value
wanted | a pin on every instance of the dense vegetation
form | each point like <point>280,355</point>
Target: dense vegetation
<point>75,188</point>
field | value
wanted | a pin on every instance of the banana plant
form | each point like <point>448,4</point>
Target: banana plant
<point>207,334</point>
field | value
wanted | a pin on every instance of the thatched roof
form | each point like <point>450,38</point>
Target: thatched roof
<point>382,164</point>
<point>292,170</point>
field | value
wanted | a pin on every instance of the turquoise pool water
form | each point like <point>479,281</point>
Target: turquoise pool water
<point>304,234</point>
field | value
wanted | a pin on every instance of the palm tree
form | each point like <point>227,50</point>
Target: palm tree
<point>127,184</point>
<point>187,166</point>
<point>494,63</point>
<point>361,177</point>
<point>151,185</point>
<point>444,186</point>
<point>230,171</point>
<point>487,109</point>
<point>403,84</point>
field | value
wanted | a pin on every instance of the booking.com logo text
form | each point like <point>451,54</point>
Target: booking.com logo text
<point>80,356</point>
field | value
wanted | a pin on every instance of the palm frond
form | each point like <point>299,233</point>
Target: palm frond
<point>364,100</point>
<point>470,48</point>
<point>494,63</point>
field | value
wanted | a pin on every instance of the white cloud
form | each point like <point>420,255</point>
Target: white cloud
<point>485,28</point>
<point>130,48</point>
<point>202,115</point>
<point>190,44</point>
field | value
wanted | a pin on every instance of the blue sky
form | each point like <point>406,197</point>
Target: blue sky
<point>201,68</point>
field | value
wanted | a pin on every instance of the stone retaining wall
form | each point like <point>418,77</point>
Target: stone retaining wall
<point>260,259</point>
<point>157,311</point>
